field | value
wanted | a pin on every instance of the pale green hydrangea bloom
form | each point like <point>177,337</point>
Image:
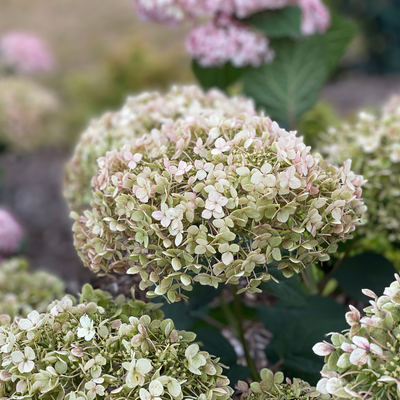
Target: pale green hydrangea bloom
<point>22,291</point>
<point>373,143</point>
<point>214,200</point>
<point>364,361</point>
<point>275,387</point>
<point>101,348</point>
<point>139,115</point>
<point>27,111</point>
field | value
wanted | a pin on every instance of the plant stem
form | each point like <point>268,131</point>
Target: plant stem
<point>237,305</point>
<point>312,283</point>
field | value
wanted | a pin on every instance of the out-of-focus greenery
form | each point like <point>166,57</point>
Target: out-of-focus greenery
<point>380,31</point>
<point>22,291</point>
<point>317,120</point>
<point>128,69</point>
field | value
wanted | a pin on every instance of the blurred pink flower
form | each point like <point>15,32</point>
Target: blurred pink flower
<point>25,53</point>
<point>175,11</point>
<point>164,11</point>
<point>11,233</point>
<point>316,17</point>
<point>244,8</point>
<point>216,44</point>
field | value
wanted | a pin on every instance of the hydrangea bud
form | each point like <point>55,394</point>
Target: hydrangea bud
<point>25,53</point>
<point>213,200</point>
<point>275,387</point>
<point>22,291</point>
<point>141,114</point>
<point>120,349</point>
<point>365,359</point>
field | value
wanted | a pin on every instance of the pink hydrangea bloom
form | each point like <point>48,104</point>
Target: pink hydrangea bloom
<point>244,8</point>
<point>316,17</point>
<point>26,53</point>
<point>164,11</point>
<point>215,44</point>
<point>10,233</point>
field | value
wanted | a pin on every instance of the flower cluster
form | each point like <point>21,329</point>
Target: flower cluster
<point>141,114</point>
<point>316,17</point>
<point>364,362</point>
<point>213,200</point>
<point>22,291</point>
<point>11,234</point>
<point>274,387</point>
<point>25,53</point>
<point>373,143</point>
<point>227,40</point>
<point>108,349</point>
<point>26,110</point>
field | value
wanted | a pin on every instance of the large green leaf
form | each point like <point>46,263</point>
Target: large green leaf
<point>289,290</point>
<point>278,23</point>
<point>296,330</point>
<point>337,39</point>
<point>365,271</point>
<point>219,77</point>
<point>290,85</point>
<point>186,314</point>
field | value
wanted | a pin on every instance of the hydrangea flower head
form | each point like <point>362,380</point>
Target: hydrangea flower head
<point>363,362</point>
<point>275,387</point>
<point>25,53</point>
<point>11,234</point>
<point>101,348</point>
<point>141,114</point>
<point>226,40</point>
<point>213,200</point>
<point>373,143</point>
<point>22,291</point>
<point>316,17</point>
<point>26,112</point>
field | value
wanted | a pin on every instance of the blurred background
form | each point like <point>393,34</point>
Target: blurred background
<point>102,53</point>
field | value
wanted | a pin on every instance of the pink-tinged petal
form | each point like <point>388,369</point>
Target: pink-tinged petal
<point>333,385</point>
<point>165,222</point>
<point>359,357</point>
<point>347,347</point>
<point>321,386</point>
<point>158,215</point>
<point>137,157</point>
<point>361,342</point>
<point>128,155</point>
<point>353,317</point>
<point>376,349</point>
<point>323,349</point>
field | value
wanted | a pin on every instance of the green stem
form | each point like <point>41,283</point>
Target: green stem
<point>312,283</point>
<point>237,305</point>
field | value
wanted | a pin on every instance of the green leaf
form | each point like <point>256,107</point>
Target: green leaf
<point>364,271</point>
<point>219,77</point>
<point>337,38</point>
<point>289,290</point>
<point>278,23</point>
<point>290,85</point>
<point>297,330</point>
<point>214,343</point>
<point>187,313</point>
